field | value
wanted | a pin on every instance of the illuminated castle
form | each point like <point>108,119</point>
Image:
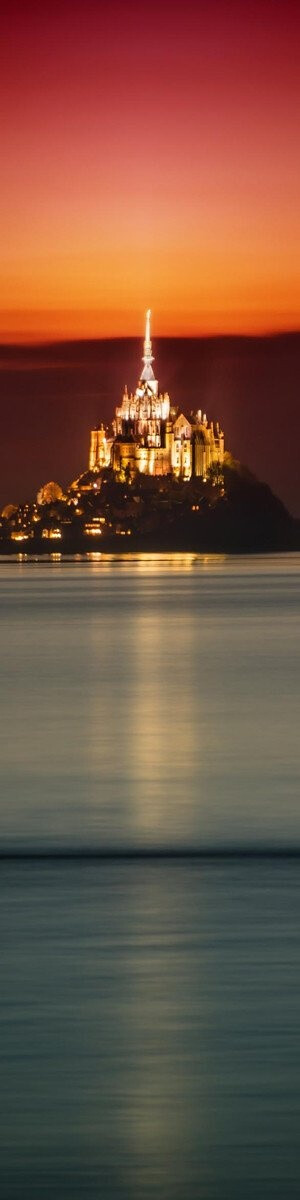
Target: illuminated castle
<point>151,436</point>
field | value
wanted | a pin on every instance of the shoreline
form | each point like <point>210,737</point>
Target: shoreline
<point>92,556</point>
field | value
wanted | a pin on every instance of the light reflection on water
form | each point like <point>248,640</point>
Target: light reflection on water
<point>149,1018</point>
<point>150,701</point>
<point>149,1010</point>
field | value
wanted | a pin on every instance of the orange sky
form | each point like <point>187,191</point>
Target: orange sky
<point>150,156</point>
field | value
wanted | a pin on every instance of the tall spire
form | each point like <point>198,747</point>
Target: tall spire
<point>147,340</point>
<point>147,373</point>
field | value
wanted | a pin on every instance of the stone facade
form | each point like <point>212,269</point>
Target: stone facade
<point>151,436</point>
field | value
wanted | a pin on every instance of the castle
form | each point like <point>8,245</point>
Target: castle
<point>151,436</point>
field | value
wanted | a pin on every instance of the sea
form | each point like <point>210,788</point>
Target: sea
<point>150,877</point>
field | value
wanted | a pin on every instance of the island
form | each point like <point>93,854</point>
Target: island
<point>158,479</point>
<point>101,512</point>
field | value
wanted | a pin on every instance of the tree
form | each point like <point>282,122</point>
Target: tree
<point>49,493</point>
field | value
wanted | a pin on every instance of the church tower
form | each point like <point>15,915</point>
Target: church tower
<point>147,376</point>
<point>151,437</point>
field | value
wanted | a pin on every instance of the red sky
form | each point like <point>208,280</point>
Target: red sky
<point>150,156</point>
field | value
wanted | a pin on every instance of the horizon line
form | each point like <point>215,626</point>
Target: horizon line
<point>82,339</point>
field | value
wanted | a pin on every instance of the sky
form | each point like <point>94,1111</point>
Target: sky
<point>150,157</point>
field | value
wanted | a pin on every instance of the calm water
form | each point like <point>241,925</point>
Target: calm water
<point>149,1009</point>
<point>153,702</point>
